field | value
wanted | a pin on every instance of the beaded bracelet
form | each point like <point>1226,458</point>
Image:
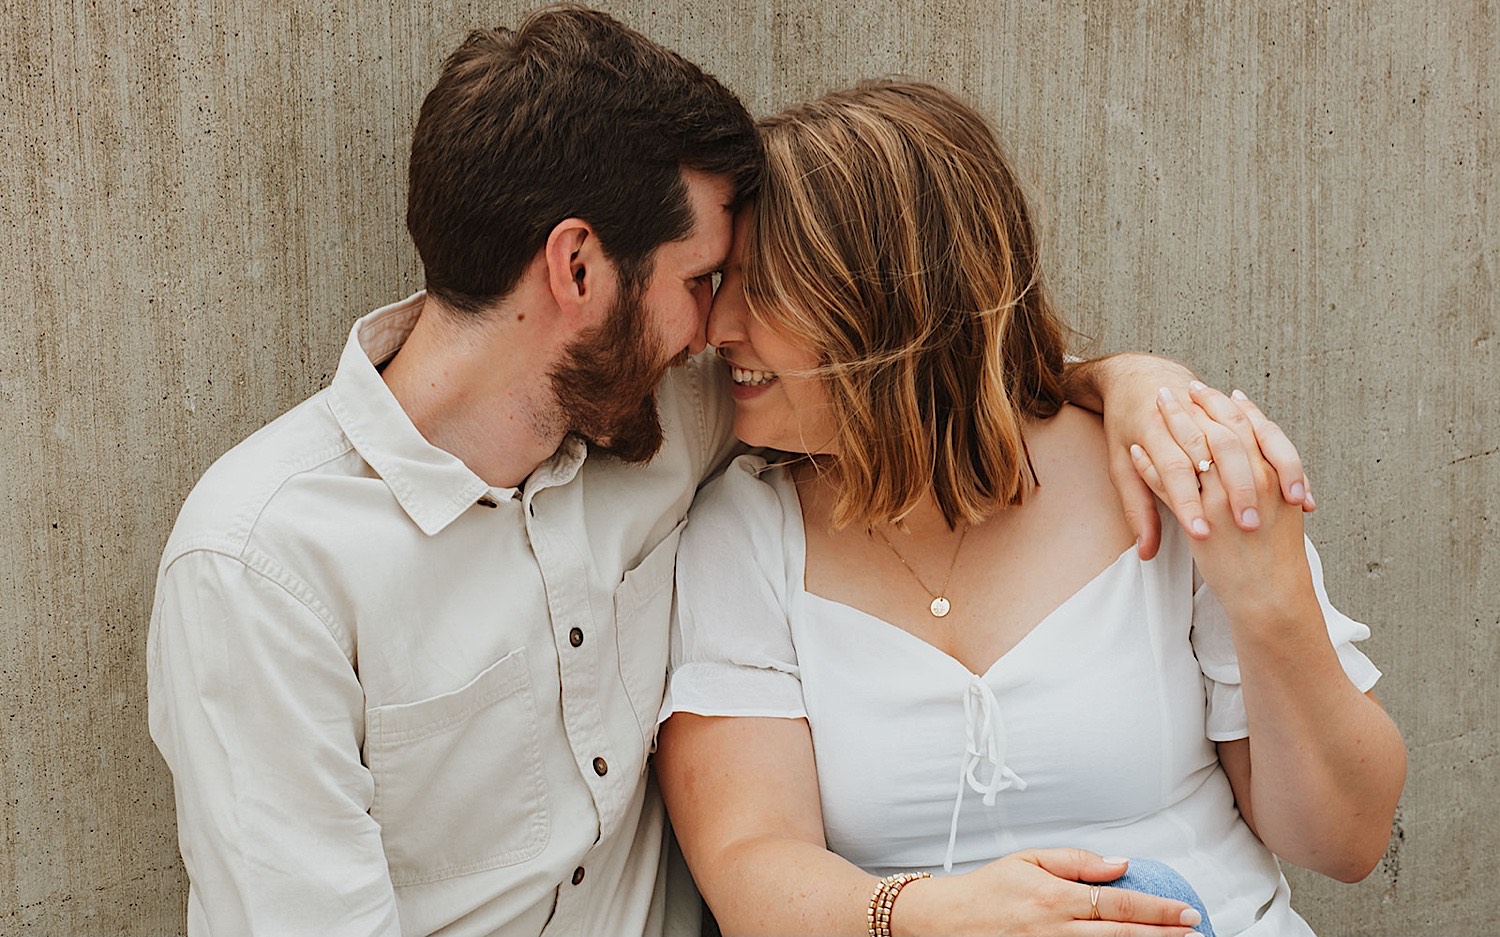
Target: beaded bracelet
<point>884,897</point>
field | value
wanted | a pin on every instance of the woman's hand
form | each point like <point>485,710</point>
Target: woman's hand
<point>1039,891</point>
<point>1127,389</point>
<point>1259,555</point>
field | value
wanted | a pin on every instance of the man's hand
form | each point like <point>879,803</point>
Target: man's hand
<point>1155,412</point>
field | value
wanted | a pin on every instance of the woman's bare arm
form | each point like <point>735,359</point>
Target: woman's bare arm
<point>1320,774</point>
<point>743,796</point>
<point>1332,813</point>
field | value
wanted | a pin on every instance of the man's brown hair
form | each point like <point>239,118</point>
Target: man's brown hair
<point>570,115</point>
<point>892,236</point>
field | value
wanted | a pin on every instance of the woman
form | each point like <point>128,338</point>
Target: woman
<point>935,646</point>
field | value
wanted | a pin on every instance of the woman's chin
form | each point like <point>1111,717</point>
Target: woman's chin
<point>751,438</point>
<point>751,429</point>
<point>748,433</point>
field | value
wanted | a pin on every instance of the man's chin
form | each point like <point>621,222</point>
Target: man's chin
<point>636,439</point>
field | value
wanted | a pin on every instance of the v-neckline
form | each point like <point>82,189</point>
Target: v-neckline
<point>800,584</point>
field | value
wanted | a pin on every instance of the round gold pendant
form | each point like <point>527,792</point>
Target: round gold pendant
<point>939,607</point>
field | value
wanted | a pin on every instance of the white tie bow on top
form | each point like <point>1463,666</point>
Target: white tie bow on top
<point>984,741</point>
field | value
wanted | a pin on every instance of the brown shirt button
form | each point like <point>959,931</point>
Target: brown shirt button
<point>578,875</point>
<point>601,767</point>
<point>575,637</point>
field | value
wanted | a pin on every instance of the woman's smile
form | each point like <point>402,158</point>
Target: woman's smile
<point>747,383</point>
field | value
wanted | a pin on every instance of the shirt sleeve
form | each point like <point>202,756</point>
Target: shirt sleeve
<point>709,412</point>
<point>259,713</point>
<point>732,652</point>
<point>1214,647</point>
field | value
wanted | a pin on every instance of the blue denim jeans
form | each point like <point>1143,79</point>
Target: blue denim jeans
<point>1158,878</point>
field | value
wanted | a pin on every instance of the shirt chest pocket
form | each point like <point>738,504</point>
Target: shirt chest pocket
<point>458,777</point>
<point>643,623</point>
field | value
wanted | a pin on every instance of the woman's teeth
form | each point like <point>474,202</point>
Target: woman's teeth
<point>751,378</point>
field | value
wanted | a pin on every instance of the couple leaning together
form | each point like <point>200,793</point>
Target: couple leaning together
<point>411,644</point>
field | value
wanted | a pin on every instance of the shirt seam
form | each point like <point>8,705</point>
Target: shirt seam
<point>265,568</point>
<point>316,460</point>
<point>288,470</point>
<point>700,417</point>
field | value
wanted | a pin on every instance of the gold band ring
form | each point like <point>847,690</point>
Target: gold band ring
<point>1094,903</point>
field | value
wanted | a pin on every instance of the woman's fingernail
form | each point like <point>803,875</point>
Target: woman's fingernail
<point>1238,394</point>
<point>1165,394</point>
<point>1250,517</point>
<point>1197,385</point>
<point>1136,452</point>
<point>1191,917</point>
<point>1120,860</point>
<point>1310,502</point>
<point>1200,527</point>
<point>1298,491</point>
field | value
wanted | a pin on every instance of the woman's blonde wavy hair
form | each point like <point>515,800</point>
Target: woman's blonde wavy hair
<point>892,236</point>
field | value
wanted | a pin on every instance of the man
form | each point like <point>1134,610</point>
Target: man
<point>409,639</point>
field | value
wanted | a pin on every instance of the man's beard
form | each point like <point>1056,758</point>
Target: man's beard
<point>605,385</point>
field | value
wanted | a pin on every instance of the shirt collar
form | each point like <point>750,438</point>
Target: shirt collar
<point>433,486</point>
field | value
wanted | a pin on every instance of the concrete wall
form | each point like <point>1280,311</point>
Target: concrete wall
<point>198,196</point>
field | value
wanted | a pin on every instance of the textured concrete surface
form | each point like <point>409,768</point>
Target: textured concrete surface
<point>198,197</point>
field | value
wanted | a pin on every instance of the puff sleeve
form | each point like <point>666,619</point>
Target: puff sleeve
<point>732,652</point>
<point>1214,648</point>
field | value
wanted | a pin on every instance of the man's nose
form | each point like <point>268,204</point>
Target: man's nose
<point>723,319</point>
<point>699,340</point>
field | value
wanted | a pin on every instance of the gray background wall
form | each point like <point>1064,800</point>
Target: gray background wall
<point>198,196</point>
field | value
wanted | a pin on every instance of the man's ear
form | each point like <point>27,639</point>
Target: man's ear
<point>579,275</point>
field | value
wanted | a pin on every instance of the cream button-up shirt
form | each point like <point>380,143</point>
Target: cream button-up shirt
<point>396,700</point>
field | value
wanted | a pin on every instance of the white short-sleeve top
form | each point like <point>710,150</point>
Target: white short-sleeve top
<point>1096,730</point>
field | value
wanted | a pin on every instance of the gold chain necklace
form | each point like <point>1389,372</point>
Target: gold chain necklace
<point>940,604</point>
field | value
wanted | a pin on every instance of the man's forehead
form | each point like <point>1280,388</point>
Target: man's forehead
<point>723,243</point>
<point>713,233</point>
<point>723,223</point>
<point>704,190</point>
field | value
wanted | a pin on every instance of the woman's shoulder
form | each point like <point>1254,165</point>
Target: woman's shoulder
<point>748,481</point>
<point>746,500</point>
<point>1071,418</point>
<point>1071,460</point>
<point>737,539</point>
<point>1070,445</point>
